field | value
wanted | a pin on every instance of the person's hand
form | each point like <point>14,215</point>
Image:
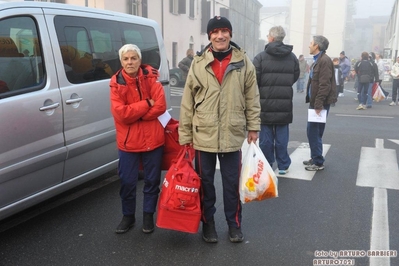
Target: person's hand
<point>318,111</point>
<point>152,102</point>
<point>252,136</point>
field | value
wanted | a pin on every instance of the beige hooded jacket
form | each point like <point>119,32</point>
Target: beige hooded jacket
<point>215,117</point>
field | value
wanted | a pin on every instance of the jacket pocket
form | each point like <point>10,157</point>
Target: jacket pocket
<point>237,128</point>
<point>205,127</point>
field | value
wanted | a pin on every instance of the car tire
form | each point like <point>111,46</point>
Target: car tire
<point>173,81</point>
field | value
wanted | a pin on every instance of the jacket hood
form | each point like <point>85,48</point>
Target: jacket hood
<point>278,49</point>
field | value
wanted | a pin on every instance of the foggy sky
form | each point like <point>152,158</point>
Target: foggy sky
<point>364,8</point>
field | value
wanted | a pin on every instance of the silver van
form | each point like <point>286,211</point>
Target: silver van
<point>56,128</point>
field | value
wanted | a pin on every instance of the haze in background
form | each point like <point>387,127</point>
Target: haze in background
<point>364,8</point>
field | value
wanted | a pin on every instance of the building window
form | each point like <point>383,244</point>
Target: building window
<point>134,8</point>
<point>205,15</point>
<point>174,54</point>
<point>177,6</point>
<point>224,12</point>
<point>191,15</point>
<point>144,8</point>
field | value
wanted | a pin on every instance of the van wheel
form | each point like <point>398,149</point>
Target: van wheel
<point>173,81</point>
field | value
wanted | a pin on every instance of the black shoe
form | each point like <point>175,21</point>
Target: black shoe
<point>148,222</point>
<point>125,224</point>
<point>235,234</point>
<point>314,167</point>
<point>308,162</point>
<point>209,232</point>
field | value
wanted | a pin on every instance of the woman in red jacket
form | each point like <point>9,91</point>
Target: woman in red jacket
<point>137,99</point>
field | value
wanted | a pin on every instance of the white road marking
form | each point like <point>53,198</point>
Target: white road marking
<point>367,116</point>
<point>373,170</point>
<point>297,169</point>
<point>378,168</point>
<point>380,227</point>
<point>394,141</point>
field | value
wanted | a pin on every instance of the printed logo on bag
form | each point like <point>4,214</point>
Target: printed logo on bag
<point>186,189</point>
<point>259,172</point>
<point>251,183</point>
<point>165,183</point>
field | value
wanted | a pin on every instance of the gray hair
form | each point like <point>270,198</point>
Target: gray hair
<point>278,33</point>
<point>321,41</point>
<point>129,47</point>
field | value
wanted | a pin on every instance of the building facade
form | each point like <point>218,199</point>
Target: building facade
<point>183,22</point>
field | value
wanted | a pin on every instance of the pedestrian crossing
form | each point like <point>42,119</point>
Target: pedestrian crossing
<point>176,91</point>
<point>373,163</point>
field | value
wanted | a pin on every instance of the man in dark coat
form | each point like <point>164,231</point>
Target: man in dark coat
<point>321,92</point>
<point>277,69</point>
<point>185,63</point>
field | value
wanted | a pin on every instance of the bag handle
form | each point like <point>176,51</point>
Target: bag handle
<point>186,151</point>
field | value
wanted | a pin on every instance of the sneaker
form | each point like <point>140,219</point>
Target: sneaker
<point>314,167</point>
<point>235,235</point>
<point>209,232</point>
<point>282,172</point>
<point>361,107</point>
<point>392,104</point>
<point>126,223</point>
<point>341,94</point>
<point>148,222</point>
<point>308,162</point>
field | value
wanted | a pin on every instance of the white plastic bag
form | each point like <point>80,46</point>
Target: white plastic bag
<point>257,180</point>
<point>378,94</point>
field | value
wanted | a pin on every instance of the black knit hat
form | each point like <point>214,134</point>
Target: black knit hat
<point>218,22</point>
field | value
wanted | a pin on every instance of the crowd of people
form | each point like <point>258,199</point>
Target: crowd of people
<point>227,98</point>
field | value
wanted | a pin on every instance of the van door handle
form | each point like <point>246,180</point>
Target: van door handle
<point>164,82</point>
<point>49,107</point>
<point>72,101</point>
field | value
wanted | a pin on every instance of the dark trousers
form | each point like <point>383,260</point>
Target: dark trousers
<point>230,168</point>
<point>395,87</point>
<point>128,170</point>
<point>315,133</point>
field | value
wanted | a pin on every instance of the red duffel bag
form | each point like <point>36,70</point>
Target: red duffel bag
<point>179,206</point>
<point>172,147</point>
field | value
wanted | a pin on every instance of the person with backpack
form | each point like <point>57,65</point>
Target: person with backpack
<point>367,73</point>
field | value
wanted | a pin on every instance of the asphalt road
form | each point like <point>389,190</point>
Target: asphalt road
<point>350,208</point>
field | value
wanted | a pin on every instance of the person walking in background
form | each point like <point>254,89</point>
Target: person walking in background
<point>395,81</point>
<point>380,66</point>
<point>303,70</point>
<point>375,78</point>
<point>345,68</point>
<point>214,118</point>
<point>185,63</point>
<point>339,80</point>
<point>320,94</point>
<point>277,69</point>
<point>137,99</point>
<point>365,72</point>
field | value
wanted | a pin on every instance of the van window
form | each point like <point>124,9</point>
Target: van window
<point>144,37</point>
<point>21,65</point>
<point>89,46</point>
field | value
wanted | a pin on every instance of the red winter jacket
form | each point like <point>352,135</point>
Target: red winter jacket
<point>136,123</point>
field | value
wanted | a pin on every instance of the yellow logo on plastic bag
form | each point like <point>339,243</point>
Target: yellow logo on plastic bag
<point>250,184</point>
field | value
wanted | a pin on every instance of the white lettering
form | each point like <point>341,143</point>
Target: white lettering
<point>186,189</point>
